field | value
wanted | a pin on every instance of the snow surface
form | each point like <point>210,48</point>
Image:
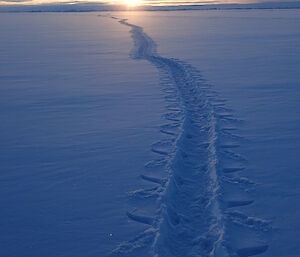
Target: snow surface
<point>78,120</point>
<point>186,146</point>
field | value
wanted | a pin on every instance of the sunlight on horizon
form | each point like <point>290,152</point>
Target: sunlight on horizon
<point>129,3</point>
<point>132,2</point>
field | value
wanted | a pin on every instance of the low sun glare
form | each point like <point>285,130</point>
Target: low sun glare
<point>132,2</point>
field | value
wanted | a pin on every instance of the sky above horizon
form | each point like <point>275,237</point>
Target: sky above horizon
<point>133,3</point>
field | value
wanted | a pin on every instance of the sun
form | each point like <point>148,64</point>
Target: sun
<point>132,2</point>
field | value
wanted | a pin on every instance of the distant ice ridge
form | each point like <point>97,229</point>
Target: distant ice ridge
<point>88,6</point>
<point>201,164</point>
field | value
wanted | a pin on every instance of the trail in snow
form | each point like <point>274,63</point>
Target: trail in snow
<point>196,171</point>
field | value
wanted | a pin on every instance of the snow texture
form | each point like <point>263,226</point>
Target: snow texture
<point>188,146</point>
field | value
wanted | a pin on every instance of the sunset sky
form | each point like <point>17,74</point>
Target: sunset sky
<point>134,2</point>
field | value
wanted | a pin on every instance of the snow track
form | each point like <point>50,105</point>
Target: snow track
<point>197,165</point>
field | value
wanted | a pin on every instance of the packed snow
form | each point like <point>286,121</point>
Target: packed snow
<point>165,134</point>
